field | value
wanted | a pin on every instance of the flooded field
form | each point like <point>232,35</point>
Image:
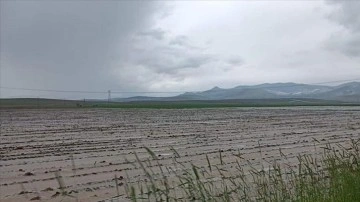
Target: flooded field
<point>88,147</point>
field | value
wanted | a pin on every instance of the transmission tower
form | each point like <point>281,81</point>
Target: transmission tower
<point>109,95</point>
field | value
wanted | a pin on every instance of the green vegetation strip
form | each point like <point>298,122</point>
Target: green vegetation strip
<point>53,103</point>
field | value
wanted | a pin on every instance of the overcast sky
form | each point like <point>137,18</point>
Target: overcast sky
<point>174,46</point>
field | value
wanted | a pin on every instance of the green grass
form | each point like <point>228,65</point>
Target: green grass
<point>54,103</point>
<point>335,177</point>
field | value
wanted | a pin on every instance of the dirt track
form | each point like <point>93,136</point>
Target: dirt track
<point>36,143</point>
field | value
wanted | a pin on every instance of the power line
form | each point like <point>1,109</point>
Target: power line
<point>109,92</point>
<point>96,92</point>
<point>52,90</point>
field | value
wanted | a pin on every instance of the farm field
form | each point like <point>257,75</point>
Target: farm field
<point>88,147</point>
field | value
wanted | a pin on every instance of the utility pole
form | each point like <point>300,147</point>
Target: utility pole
<point>109,96</point>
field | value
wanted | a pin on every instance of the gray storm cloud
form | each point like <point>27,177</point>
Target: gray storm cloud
<point>90,46</point>
<point>173,46</point>
<point>68,44</point>
<point>168,59</point>
<point>154,33</point>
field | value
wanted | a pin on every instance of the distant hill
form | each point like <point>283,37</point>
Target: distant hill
<point>348,92</point>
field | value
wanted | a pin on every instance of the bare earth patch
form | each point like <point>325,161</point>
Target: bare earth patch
<point>88,147</point>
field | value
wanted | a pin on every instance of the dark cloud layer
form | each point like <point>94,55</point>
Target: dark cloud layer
<point>92,45</point>
<point>172,46</point>
<point>166,55</point>
<point>72,41</point>
<point>235,60</point>
<point>154,33</point>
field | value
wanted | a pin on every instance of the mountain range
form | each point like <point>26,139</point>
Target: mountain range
<point>348,92</point>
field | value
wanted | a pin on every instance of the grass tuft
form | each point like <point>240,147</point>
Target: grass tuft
<point>334,176</point>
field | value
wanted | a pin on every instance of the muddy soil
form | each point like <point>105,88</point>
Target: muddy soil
<point>88,147</point>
